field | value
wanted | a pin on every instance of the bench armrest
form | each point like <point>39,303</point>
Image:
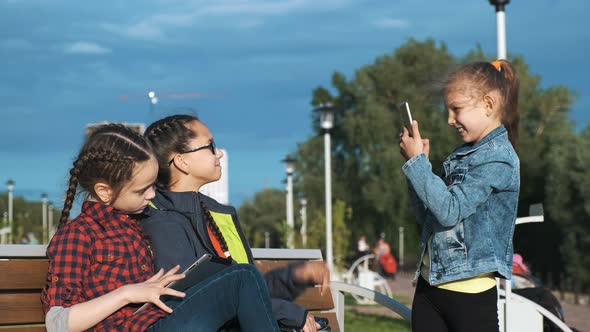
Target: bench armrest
<point>382,299</point>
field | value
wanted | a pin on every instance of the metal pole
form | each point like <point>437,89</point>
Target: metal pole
<point>50,218</point>
<point>303,230</point>
<point>266,239</point>
<point>10,214</point>
<point>44,217</point>
<point>401,247</point>
<point>328,176</point>
<point>4,224</point>
<point>501,29</point>
<point>290,219</point>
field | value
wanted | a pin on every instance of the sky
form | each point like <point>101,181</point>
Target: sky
<point>246,67</point>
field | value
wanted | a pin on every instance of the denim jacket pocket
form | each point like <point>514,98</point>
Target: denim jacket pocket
<point>456,177</point>
<point>452,249</point>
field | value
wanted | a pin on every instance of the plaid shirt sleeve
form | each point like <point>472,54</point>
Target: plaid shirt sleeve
<point>69,258</point>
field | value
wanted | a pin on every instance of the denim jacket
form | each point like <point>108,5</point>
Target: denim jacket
<point>470,211</point>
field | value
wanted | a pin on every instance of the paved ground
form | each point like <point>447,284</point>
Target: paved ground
<point>577,316</point>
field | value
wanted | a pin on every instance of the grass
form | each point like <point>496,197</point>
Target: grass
<point>354,321</point>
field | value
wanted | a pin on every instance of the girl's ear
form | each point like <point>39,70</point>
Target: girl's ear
<point>180,164</point>
<point>491,102</point>
<point>104,192</point>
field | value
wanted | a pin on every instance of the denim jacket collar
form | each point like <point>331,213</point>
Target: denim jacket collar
<point>468,148</point>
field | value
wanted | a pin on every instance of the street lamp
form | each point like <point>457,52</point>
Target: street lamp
<point>44,216</point>
<point>326,112</point>
<point>500,26</point>
<point>10,186</point>
<point>153,100</point>
<point>303,211</point>
<point>290,168</point>
<point>50,219</point>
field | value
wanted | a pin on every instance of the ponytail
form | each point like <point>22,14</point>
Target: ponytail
<point>510,115</point>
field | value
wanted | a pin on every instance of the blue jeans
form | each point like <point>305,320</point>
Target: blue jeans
<point>238,291</point>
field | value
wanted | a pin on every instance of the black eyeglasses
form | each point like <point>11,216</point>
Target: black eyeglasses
<point>210,146</point>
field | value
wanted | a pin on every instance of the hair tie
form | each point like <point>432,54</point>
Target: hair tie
<point>497,64</point>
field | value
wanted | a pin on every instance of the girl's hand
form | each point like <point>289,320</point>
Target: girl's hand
<point>151,289</point>
<point>310,324</point>
<point>412,146</point>
<point>313,273</point>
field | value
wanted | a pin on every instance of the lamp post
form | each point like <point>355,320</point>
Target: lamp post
<point>10,186</point>
<point>44,216</point>
<point>303,211</point>
<point>326,112</point>
<point>50,220</point>
<point>153,100</point>
<point>500,26</point>
<point>290,168</point>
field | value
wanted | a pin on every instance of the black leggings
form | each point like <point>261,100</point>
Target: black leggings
<point>440,310</point>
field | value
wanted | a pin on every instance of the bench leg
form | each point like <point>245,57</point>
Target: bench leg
<point>339,308</point>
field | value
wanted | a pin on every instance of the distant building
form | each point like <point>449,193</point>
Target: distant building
<point>139,127</point>
<point>219,190</point>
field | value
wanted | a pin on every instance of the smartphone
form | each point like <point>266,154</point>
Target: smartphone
<point>204,267</point>
<point>404,108</point>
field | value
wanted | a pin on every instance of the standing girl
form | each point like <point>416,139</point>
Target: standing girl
<point>184,224</point>
<point>468,214</point>
<point>101,270</point>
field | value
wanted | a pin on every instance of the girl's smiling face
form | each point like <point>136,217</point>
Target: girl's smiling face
<point>472,114</point>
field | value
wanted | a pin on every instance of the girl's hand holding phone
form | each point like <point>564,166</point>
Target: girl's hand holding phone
<point>151,289</point>
<point>411,146</point>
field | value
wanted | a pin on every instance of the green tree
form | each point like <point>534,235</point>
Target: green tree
<point>265,212</point>
<point>366,164</point>
<point>365,150</point>
<point>27,216</point>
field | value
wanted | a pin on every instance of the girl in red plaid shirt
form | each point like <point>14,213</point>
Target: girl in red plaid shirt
<point>101,269</point>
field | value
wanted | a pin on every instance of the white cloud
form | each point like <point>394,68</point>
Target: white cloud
<point>83,47</point>
<point>391,23</point>
<point>238,14</point>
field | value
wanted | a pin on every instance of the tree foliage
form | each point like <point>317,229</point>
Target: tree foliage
<point>366,167</point>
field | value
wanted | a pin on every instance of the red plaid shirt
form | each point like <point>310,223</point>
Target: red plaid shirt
<point>94,254</point>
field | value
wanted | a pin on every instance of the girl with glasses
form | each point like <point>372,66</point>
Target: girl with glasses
<point>183,224</point>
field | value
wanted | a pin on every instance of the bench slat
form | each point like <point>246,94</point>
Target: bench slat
<point>23,274</point>
<point>17,328</point>
<point>21,308</point>
<point>311,298</point>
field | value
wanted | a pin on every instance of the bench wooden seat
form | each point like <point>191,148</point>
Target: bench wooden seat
<point>23,270</point>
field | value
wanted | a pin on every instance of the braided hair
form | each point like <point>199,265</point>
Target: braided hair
<point>108,155</point>
<point>171,135</point>
<point>168,136</point>
<point>215,229</point>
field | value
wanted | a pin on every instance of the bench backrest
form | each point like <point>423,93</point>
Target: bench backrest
<point>23,270</point>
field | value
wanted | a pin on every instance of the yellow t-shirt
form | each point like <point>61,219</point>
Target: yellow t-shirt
<point>232,238</point>
<point>473,285</point>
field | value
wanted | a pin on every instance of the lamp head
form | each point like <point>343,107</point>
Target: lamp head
<point>326,115</point>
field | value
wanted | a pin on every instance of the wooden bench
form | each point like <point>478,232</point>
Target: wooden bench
<point>23,270</point>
